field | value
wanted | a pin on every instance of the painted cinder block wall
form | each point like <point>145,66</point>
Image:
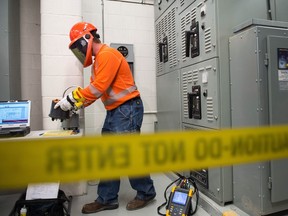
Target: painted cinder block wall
<point>117,22</point>
<point>126,23</point>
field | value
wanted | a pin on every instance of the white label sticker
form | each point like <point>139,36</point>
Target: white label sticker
<point>283,75</point>
<point>205,77</point>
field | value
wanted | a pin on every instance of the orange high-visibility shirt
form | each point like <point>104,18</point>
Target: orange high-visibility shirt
<point>111,79</point>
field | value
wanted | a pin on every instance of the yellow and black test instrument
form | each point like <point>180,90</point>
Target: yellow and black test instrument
<point>179,202</point>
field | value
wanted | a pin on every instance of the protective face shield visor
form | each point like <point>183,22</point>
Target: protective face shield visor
<point>82,49</point>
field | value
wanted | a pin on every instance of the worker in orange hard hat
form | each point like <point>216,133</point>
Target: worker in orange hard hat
<point>112,81</point>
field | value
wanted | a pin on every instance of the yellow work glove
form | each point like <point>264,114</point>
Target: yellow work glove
<point>72,101</point>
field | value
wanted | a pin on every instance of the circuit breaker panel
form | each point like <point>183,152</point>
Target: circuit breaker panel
<point>203,56</point>
<point>192,43</point>
<point>198,32</point>
<point>259,59</point>
<point>200,94</point>
<point>166,41</point>
<point>215,183</point>
<point>169,104</point>
<point>161,6</point>
<point>167,65</point>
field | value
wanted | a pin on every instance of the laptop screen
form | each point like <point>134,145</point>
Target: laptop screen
<point>15,114</point>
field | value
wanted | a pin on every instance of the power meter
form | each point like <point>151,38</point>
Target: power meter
<point>179,202</point>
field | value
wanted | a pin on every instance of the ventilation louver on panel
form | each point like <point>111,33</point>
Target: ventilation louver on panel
<point>172,38</point>
<point>183,28</point>
<point>186,22</point>
<point>166,27</point>
<point>159,32</point>
<point>159,68</point>
<point>186,79</point>
<point>195,76</point>
<point>208,42</point>
<point>193,12</point>
<point>185,96</point>
<point>210,109</point>
<point>182,2</point>
<point>190,77</point>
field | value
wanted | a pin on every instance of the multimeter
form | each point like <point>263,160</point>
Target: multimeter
<point>179,202</point>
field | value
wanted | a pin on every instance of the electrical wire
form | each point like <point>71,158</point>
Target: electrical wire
<point>186,183</point>
<point>68,89</point>
<point>165,196</point>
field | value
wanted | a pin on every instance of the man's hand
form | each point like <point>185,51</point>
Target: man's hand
<point>65,103</point>
<point>72,101</point>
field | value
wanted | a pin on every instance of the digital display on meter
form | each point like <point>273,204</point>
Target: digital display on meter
<point>180,198</point>
<point>179,202</point>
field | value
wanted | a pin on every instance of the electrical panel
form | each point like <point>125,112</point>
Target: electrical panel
<point>200,103</point>
<point>192,41</point>
<point>216,183</point>
<point>198,33</point>
<point>166,41</point>
<point>161,6</point>
<point>259,59</point>
<point>169,104</point>
<point>182,4</point>
<point>203,56</point>
<point>278,10</point>
<point>128,53</point>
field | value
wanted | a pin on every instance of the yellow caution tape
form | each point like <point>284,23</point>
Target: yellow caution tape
<point>79,158</point>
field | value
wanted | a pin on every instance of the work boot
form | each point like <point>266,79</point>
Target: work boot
<point>97,207</point>
<point>137,203</point>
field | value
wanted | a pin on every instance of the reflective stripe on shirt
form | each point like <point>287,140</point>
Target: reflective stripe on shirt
<point>115,97</point>
<point>95,91</point>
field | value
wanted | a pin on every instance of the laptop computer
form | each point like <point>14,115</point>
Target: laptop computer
<point>15,118</point>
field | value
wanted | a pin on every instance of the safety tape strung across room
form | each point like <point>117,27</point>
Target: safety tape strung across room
<point>71,159</point>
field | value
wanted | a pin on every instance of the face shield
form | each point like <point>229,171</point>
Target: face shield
<point>82,49</point>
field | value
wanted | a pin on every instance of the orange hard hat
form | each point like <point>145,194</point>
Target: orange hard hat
<point>81,42</point>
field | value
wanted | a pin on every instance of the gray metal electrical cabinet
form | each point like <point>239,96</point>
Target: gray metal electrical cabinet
<point>259,97</point>
<point>166,41</point>
<point>182,4</point>
<point>167,73</point>
<point>255,60</point>
<point>199,89</point>
<point>161,6</point>
<point>215,183</point>
<point>205,27</point>
<point>279,10</point>
<point>204,31</point>
<point>192,43</point>
<point>169,104</point>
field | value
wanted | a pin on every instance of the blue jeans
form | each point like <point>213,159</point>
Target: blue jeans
<point>127,118</point>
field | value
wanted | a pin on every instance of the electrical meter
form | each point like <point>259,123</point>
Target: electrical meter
<point>179,202</point>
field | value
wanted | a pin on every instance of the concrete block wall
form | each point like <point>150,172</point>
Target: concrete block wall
<point>117,22</point>
<point>128,23</point>
<point>60,69</point>
<point>30,59</point>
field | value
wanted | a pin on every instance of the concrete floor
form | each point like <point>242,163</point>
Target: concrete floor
<point>126,194</point>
